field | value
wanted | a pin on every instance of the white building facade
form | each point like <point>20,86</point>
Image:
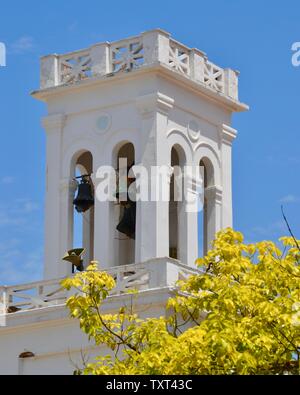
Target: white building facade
<point>155,102</point>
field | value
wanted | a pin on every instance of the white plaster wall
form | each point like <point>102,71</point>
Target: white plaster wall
<point>153,113</point>
<point>57,340</point>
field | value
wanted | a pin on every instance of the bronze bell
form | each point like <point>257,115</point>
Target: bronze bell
<point>127,224</point>
<point>85,198</point>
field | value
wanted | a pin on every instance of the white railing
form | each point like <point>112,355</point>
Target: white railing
<point>127,55</point>
<point>150,48</point>
<point>214,76</point>
<point>158,273</point>
<point>179,57</point>
<point>131,277</point>
<point>31,296</point>
<point>75,67</point>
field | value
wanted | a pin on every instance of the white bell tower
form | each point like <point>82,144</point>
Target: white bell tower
<point>159,104</point>
<point>156,102</point>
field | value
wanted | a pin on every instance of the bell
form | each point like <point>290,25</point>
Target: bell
<point>75,257</point>
<point>127,224</point>
<point>85,199</point>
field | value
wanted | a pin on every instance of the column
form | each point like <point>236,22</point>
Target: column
<point>212,215</point>
<point>67,191</point>
<point>103,231</point>
<point>188,221</point>
<point>227,135</point>
<point>152,235</point>
<point>53,125</point>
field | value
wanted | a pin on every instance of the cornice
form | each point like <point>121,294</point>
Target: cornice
<point>227,134</point>
<point>147,104</point>
<point>159,68</point>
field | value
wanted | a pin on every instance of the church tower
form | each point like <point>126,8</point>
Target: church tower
<point>155,102</point>
<point>160,105</point>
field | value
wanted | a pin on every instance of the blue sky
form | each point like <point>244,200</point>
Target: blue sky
<point>254,37</point>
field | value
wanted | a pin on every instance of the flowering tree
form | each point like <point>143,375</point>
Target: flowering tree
<point>240,315</point>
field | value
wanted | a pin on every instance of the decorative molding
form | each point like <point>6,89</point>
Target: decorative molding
<point>193,130</point>
<point>182,134</point>
<point>227,134</point>
<point>209,149</point>
<point>54,122</point>
<point>159,102</point>
<point>193,140</point>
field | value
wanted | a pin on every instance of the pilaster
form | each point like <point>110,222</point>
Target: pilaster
<point>153,216</point>
<point>53,125</point>
<point>226,137</point>
<point>212,214</point>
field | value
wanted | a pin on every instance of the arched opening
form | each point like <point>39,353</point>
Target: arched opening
<point>204,215</point>
<point>176,203</point>
<point>124,211</point>
<point>83,222</point>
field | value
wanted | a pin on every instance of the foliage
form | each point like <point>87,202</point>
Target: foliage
<point>239,315</point>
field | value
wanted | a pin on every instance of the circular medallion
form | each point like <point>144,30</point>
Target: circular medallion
<point>103,123</point>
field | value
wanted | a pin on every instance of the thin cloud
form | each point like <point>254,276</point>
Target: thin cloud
<point>22,45</point>
<point>7,180</point>
<point>6,219</point>
<point>72,26</point>
<point>29,207</point>
<point>269,231</point>
<point>18,213</point>
<point>26,206</point>
<point>289,199</point>
<point>30,270</point>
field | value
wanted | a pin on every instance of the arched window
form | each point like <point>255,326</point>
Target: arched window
<point>83,223</point>
<point>176,204</point>
<point>205,215</point>
<point>123,213</point>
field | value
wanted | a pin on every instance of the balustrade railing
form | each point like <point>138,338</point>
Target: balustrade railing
<point>127,55</point>
<point>158,273</point>
<point>179,57</point>
<point>150,48</point>
<point>75,67</point>
<point>214,77</point>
